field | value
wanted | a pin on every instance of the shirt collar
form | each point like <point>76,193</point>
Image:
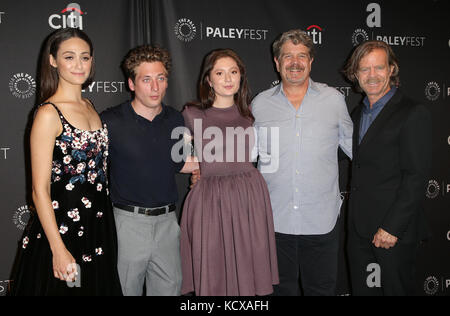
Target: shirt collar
<point>133,113</point>
<point>381,102</point>
<point>312,88</point>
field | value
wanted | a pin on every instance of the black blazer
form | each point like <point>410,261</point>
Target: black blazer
<point>390,170</point>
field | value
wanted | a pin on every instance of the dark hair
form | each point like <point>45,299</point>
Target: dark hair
<point>49,79</point>
<point>142,54</point>
<point>206,93</point>
<point>351,68</point>
<point>296,37</point>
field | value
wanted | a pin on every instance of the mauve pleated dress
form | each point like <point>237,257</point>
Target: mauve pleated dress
<point>227,231</point>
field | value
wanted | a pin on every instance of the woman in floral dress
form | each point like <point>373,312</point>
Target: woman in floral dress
<point>70,247</point>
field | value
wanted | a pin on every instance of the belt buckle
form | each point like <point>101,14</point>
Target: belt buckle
<point>147,211</point>
<point>161,210</point>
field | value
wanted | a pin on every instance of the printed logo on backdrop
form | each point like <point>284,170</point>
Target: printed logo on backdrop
<point>4,153</point>
<point>315,32</point>
<point>21,216</point>
<point>344,90</point>
<point>374,21</point>
<point>436,189</point>
<point>186,30</point>
<point>359,36</point>
<point>70,17</point>
<point>22,85</point>
<point>275,83</point>
<point>431,285</point>
<point>4,287</point>
<point>433,91</point>
<point>105,87</point>
<point>1,16</point>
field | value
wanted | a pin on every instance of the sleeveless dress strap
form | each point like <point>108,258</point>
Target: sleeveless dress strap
<point>61,117</point>
<point>92,104</point>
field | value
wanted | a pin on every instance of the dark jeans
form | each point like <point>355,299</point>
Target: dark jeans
<point>307,264</point>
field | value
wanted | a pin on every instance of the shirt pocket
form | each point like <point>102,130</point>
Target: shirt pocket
<point>273,135</point>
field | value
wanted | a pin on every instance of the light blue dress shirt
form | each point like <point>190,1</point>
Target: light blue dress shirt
<point>298,156</point>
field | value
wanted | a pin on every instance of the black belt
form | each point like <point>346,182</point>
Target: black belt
<point>147,211</point>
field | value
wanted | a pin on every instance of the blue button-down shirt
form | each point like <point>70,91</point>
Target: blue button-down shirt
<point>298,152</point>
<point>370,114</point>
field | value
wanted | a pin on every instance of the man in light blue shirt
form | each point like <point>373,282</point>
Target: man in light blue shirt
<point>301,124</point>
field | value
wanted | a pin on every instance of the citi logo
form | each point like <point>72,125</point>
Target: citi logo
<point>70,17</point>
<point>315,32</point>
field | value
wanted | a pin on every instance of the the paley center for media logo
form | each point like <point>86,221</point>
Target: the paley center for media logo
<point>433,285</point>
<point>374,22</point>
<point>434,91</point>
<point>21,216</point>
<point>360,36</point>
<point>22,85</point>
<point>69,17</point>
<point>4,287</point>
<point>436,189</point>
<point>186,30</point>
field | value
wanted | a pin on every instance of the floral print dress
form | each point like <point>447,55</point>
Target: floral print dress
<point>84,217</point>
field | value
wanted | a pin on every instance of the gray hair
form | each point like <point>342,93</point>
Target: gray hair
<point>296,37</point>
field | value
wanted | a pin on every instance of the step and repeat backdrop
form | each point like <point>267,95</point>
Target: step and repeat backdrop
<point>419,33</point>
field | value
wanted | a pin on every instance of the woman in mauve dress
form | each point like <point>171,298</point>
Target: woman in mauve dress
<point>227,231</point>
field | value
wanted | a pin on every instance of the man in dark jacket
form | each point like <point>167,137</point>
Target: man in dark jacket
<point>391,162</point>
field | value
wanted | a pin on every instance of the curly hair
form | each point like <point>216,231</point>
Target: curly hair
<point>142,54</point>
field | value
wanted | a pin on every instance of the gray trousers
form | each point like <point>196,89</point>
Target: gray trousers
<point>149,251</point>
